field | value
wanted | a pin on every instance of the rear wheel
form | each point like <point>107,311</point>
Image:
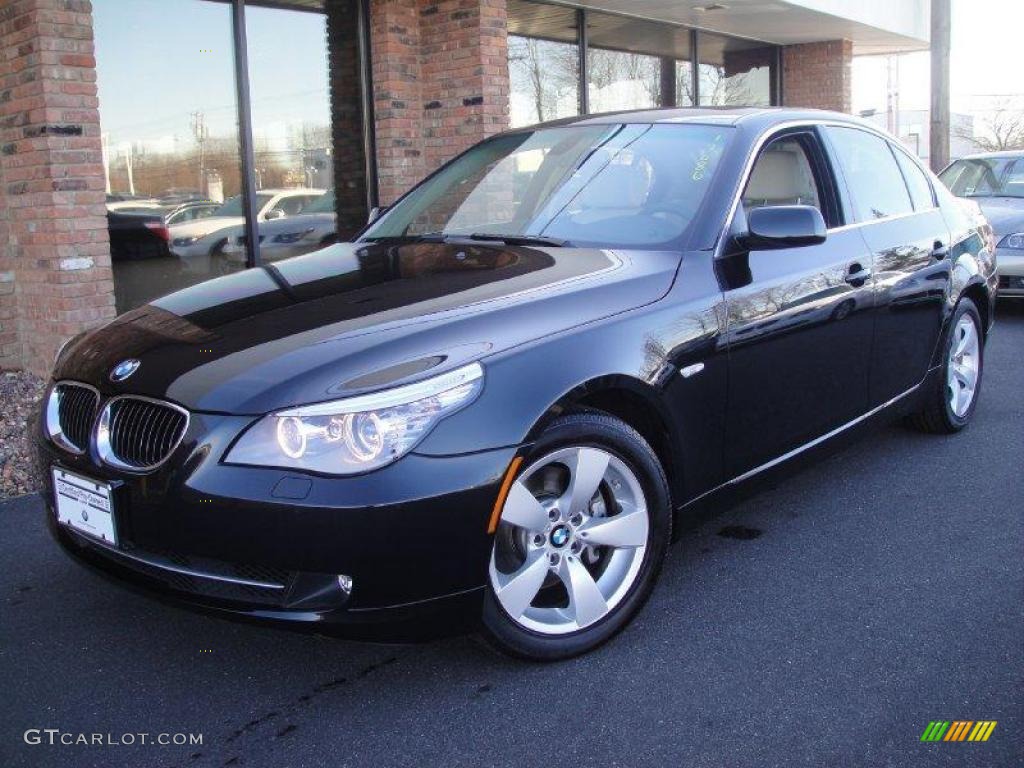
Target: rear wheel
<point>950,403</point>
<point>582,535</point>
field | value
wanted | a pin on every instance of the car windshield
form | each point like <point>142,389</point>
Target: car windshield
<point>625,185</point>
<point>323,204</point>
<point>985,177</point>
<point>233,205</point>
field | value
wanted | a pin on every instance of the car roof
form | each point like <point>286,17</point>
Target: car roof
<point>1005,154</point>
<point>757,117</point>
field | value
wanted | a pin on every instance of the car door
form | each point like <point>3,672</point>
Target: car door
<point>799,319</point>
<point>894,203</point>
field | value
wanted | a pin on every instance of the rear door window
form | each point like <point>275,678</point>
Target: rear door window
<point>872,176</point>
<point>917,182</point>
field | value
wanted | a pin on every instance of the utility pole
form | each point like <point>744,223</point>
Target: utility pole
<point>201,132</point>
<point>939,129</point>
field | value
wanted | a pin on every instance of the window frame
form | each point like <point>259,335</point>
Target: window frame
<point>895,148</point>
<point>814,152</point>
<point>849,204</point>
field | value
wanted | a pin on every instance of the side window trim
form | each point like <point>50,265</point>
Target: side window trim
<point>896,150</point>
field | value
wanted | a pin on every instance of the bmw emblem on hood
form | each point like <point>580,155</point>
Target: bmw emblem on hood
<point>124,369</point>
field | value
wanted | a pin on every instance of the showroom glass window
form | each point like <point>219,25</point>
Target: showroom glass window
<point>735,72</point>
<point>168,123</point>
<point>543,62</point>
<point>636,64</point>
<point>291,118</point>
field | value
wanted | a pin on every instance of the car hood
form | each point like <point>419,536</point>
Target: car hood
<point>352,318</point>
<point>1005,214</point>
<point>205,226</point>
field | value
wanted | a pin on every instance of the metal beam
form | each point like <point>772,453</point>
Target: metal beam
<point>245,132</point>
<point>583,43</point>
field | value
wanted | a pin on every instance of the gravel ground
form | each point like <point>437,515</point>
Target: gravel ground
<point>19,392</point>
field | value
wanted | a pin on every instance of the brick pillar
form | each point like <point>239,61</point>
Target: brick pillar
<point>346,117</point>
<point>440,76</point>
<point>818,75</point>
<point>56,251</point>
<point>397,101</point>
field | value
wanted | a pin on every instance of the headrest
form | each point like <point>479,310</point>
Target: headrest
<point>777,175</point>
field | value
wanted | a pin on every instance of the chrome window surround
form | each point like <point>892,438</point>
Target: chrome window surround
<point>52,415</point>
<point>102,433</point>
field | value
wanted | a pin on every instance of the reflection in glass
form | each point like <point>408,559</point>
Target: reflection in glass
<point>291,125</point>
<point>636,64</point>
<point>632,185</point>
<point>169,131</point>
<point>735,72</point>
<point>543,63</point>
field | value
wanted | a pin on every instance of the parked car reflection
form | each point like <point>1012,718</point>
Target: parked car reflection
<point>315,227</point>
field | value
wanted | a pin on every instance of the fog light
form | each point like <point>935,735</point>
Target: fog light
<point>345,582</point>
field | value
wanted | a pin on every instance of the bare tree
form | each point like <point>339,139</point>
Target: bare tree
<point>1000,129</point>
<point>545,70</point>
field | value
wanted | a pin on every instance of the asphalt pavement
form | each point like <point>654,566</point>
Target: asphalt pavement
<point>843,609</point>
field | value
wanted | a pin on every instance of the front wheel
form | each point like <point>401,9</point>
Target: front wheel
<point>582,535</point>
<point>951,402</point>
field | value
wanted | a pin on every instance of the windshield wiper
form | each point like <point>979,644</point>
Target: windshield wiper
<point>519,239</point>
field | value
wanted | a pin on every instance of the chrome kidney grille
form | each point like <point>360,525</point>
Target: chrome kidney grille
<point>70,415</point>
<point>139,433</point>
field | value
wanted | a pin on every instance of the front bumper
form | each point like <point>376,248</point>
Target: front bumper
<point>1011,272</point>
<point>270,544</point>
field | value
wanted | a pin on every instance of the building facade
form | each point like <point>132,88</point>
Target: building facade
<point>146,145</point>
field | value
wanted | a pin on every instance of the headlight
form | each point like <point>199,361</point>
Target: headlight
<point>291,237</point>
<point>1014,242</point>
<point>181,242</point>
<point>345,437</point>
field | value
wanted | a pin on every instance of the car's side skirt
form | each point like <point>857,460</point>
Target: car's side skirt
<point>802,448</point>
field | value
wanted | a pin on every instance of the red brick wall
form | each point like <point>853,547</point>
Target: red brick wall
<point>346,117</point>
<point>56,248</point>
<point>818,75</point>
<point>440,80</point>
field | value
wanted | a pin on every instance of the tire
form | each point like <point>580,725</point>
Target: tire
<point>940,414</point>
<point>543,548</point>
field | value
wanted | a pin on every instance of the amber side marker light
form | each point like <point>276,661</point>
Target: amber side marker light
<point>506,484</point>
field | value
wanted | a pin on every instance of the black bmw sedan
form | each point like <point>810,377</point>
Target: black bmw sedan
<point>503,397</point>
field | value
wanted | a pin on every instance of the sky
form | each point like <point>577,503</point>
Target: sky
<point>985,60</point>
<point>154,68</point>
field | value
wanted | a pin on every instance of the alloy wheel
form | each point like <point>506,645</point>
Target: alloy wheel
<point>573,532</point>
<point>963,366</point>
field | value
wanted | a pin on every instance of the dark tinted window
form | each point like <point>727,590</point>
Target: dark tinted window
<point>917,182</point>
<point>874,180</point>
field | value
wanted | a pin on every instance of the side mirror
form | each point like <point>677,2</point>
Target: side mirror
<point>375,213</point>
<point>275,213</point>
<point>783,226</point>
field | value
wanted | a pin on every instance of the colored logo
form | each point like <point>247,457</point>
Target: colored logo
<point>559,536</point>
<point>124,369</point>
<point>958,730</point>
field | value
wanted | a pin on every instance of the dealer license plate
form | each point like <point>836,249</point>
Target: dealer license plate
<point>85,505</point>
